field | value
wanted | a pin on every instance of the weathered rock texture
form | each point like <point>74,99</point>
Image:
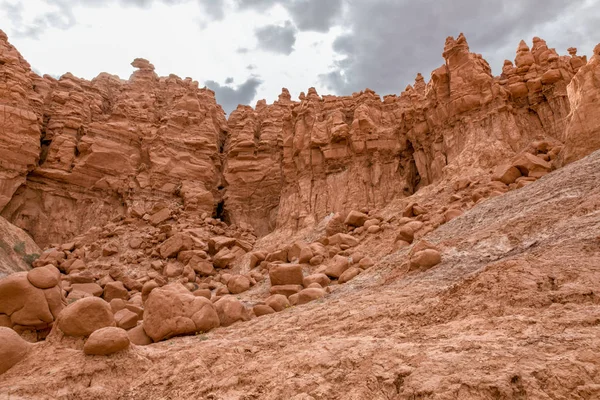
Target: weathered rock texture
<point>17,249</point>
<point>583,133</point>
<point>92,151</point>
<point>106,145</point>
<point>291,163</point>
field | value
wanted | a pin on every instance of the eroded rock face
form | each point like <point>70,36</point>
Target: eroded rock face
<point>17,249</point>
<point>106,145</point>
<point>95,150</point>
<point>290,164</point>
<point>19,121</point>
<point>583,132</point>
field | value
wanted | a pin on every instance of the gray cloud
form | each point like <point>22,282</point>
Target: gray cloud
<point>390,41</point>
<point>314,15</point>
<point>307,15</point>
<point>229,98</point>
<point>277,39</point>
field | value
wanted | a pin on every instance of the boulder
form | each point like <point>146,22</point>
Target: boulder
<point>13,349</point>
<point>262,309</point>
<point>342,239</point>
<point>506,174</point>
<point>27,305</point>
<point>349,274</point>
<point>176,243</point>
<point>126,319</point>
<point>172,310</point>
<point>217,243</point>
<point>278,302</point>
<point>425,259</point>
<point>85,316</point>
<point>201,266</point>
<point>322,279</point>
<point>238,284</point>
<point>138,336</point>
<point>231,310</point>
<point>223,258</point>
<point>106,341</point>
<point>286,274</point>
<point>356,219</point>
<point>115,290</point>
<point>309,294</point>
<point>44,277</point>
<point>366,262</point>
<point>339,264</point>
<point>527,164</point>
<point>92,288</point>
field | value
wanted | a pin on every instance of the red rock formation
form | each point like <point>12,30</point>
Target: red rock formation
<point>583,132</point>
<point>335,154</point>
<point>19,128</point>
<point>107,145</point>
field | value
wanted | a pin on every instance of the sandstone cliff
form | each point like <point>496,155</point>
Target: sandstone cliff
<point>93,150</point>
<point>79,153</point>
<point>292,163</point>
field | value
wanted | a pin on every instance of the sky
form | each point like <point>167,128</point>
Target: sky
<point>247,50</point>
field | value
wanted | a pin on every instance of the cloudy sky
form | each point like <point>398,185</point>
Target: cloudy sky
<point>248,50</point>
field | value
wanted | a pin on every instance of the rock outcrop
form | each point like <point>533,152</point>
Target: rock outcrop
<point>107,146</point>
<point>583,132</point>
<point>17,249</point>
<point>290,164</point>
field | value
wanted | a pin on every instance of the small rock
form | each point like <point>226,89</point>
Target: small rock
<point>310,294</point>
<point>138,336</point>
<point>286,274</point>
<point>321,279</point>
<point>339,264</point>
<point>286,290</point>
<point>238,284</point>
<point>349,274</point>
<point>366,262</point>
<point>126,319</point>
<point>106,341</point>
<point>231,310</point>
<point>278,302</point>
<point>425,259</point>
<point>115,290</point>
<point>356,218</point>
<point>262,309</point>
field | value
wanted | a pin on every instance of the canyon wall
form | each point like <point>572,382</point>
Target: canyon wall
<point>91,151</point>
<point>292,163</point>
<point>77,153</point>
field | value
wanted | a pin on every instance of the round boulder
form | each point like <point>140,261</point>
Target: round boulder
<point>231,310</point>
<point>172,310</point>
<point>85,316</point>
<point>12,349</point>
<point>106,341</point>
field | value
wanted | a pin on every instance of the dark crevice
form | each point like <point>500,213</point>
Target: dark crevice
<point>413,179</point>
<point>221,212</point>
<point>44,142</point>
